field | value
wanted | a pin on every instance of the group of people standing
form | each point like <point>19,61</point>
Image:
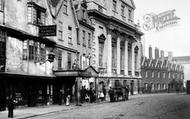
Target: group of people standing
<point>87,95</point>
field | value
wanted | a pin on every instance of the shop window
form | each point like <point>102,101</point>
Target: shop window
<point>36,14</point>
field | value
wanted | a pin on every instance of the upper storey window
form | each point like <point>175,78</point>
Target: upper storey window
<point>36,14</point>
<point>114,5</point>
<point>130,16</point>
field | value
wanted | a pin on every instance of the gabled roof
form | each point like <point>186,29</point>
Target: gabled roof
<point>55,7</point>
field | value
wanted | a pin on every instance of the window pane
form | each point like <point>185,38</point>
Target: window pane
<point>69,61</point>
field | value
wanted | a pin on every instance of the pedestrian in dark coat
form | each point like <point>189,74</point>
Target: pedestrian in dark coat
<point>10,105</point>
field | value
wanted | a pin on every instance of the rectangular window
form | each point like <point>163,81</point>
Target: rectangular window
<point>35,50</point>
<point>114,57</point>
<point>59,59</point>
<point>146,74</point>
<point>83,37</point>
<point>130,16</point>
<point>101,47</point>
<point>36,14</point>
<point>114,5</point>
<point>69,61</point>
<point>31,50</point>
<point>122,10</point>
<point>60,35</point>
<point>152,74</point>
<point>65,7</point>
<point>89,40</point>
<point>122,58</point>
<point>25,50</point>
<point>70,34</point>
<point>158,74</point>
<point>42,52</point>
<point>164,75</point>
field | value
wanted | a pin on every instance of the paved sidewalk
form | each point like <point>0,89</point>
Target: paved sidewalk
<point>42,110</point>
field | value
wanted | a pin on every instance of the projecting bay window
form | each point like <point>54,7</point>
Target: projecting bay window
<point>34,51</point>
<point>35,14</point>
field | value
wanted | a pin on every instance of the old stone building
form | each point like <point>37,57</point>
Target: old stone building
<point>185,62</point>
<point>116,43</point>
<point>24,72</point>
<point>161,74</point>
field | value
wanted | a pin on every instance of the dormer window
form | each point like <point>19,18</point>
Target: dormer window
<point>36,14</point>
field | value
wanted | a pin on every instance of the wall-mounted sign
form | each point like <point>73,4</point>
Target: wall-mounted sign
<point>159,21</point>
<point>49,30</point>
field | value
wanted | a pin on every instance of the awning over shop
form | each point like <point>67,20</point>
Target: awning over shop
<point>88,72</point>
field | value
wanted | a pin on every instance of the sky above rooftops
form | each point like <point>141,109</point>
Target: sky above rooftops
<point>175,38</point>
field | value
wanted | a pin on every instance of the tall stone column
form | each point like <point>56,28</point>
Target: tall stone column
<point>139,58</point>
<point>133,59</point>
<point>118,54</point>
<point>126,57</point>
<point>109,53</point>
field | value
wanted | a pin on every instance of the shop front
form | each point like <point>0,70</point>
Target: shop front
<point>27,90</point>
<point>70,82</point>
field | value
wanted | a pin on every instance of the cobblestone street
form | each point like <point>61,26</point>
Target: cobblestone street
<point>151,106</point>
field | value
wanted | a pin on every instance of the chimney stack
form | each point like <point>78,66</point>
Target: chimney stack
<point>162,55</point>
<point>156,53</point>
<point>150,52</point>
<point>170,56</point>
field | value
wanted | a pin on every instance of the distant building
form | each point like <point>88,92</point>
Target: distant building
<point>161,74</point>
<point>185,62</point>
